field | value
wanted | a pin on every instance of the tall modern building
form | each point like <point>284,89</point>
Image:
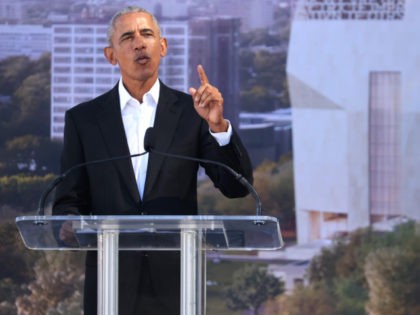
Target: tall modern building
<point>266,136</point>
<point>254,14</point>
<point>354,86</point>
<point>214,43</point>
<point>24,40</point>
<point>11,11</point>
<point>79,70</point>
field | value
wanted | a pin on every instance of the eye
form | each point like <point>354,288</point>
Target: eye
<point>126,36</point>
<point>147,33</point>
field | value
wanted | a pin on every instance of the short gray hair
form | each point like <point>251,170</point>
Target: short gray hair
<point>126,10</point>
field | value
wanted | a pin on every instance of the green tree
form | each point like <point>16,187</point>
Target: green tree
<point>393,276</point>
<point>30,154</point>
<point>257,99</point>
<point>33,101</point>
<point>282,192</point>
<point>338,272</point>
<point>263,85</point>
<point>13,188</point>
<point>16,260</point>
<point>24,120</point>
<point>58,285</point>
<point>263,81</point>
<point>323,267</point>
<point>351,297</point>
<point>8,292</point>
<point>252,286</point>
<point>272,181</point>
<point>355,271</point>
<point>32,98</point>
<point>13,71</point>
<point>16,271</point>
<point>27,83</point>
<point>258,37</point>
<point>309,300</point>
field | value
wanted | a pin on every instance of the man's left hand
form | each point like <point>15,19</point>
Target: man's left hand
<point>208,102</point>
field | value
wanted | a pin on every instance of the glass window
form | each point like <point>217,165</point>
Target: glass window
<point>61,89</point>
<point>83,89</point>
<point>83,80</point>
<point>84,40</point>
<point>62,49</point>
<point>83,50</point>
<point>62,30</point>
<point>62,40</point>
<point>83,30</point>
<point>62,59</point>
<point>83,70</point>
<point>84,59</point>
<point>59,79</point>
<point>61,69</point>
<point>384,143</point>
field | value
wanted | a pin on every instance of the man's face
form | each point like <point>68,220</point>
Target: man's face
<point>137,48</point>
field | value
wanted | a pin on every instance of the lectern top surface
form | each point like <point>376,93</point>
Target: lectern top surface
<point>151,232</point>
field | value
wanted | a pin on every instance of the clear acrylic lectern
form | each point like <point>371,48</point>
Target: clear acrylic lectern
<point>191,235</point>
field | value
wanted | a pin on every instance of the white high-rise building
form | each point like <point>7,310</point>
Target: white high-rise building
<point>11,11</point>
<point>24,40</point>
<point>79,70</point>
<point>354,86</point>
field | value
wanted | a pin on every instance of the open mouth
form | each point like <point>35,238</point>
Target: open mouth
<point>143,59</point>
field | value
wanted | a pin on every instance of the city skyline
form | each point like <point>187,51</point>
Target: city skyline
<point>80,72</point>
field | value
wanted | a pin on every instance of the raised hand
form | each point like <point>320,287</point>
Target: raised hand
<point>208,102</point>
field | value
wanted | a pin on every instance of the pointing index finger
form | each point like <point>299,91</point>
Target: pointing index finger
<point>202,74</point>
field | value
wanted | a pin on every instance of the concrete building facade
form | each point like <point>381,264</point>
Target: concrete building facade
<point>354,88</point>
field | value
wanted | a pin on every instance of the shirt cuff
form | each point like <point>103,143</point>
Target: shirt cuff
<point>223,138</point>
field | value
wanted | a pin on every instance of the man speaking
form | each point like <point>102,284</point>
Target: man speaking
<point>114,124</point>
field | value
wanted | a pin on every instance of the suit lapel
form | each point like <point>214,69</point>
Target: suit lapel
<point>167,117</point>
<point>111,124</point>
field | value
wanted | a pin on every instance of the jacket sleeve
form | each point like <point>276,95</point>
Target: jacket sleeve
<point>233,155</point>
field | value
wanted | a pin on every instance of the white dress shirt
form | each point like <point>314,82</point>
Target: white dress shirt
<point>137,117</point>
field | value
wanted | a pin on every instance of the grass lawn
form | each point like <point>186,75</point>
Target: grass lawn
<point>219,275</point>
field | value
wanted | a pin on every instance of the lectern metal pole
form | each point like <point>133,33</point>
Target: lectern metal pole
<point>108,272</point>
<point>191,273</point>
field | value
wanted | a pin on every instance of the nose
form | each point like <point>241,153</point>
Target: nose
<point>138,42</point>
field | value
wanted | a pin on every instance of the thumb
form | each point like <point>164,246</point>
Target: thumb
<point>192,91</point>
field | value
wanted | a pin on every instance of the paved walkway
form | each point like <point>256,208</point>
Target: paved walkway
<point>288,264</point>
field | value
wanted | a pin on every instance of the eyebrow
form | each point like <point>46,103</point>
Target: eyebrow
<point>130,33</point>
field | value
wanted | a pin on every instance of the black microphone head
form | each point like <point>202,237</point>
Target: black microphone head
<point>149,138</point>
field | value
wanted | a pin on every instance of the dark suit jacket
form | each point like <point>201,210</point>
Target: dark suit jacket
<point>94,130</point>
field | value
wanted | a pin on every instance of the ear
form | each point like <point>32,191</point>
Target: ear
<point>110,56</point>
<point>163,47</point>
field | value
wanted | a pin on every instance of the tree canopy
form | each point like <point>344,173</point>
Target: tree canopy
<point>252,285</point>
<point>368,272</point>
<point>272,181</point>
<point>25,146</point>
<point>263,80</point>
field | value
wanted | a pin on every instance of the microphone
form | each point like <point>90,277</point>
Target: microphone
<point>61,177</point>
<point>148,147</point>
